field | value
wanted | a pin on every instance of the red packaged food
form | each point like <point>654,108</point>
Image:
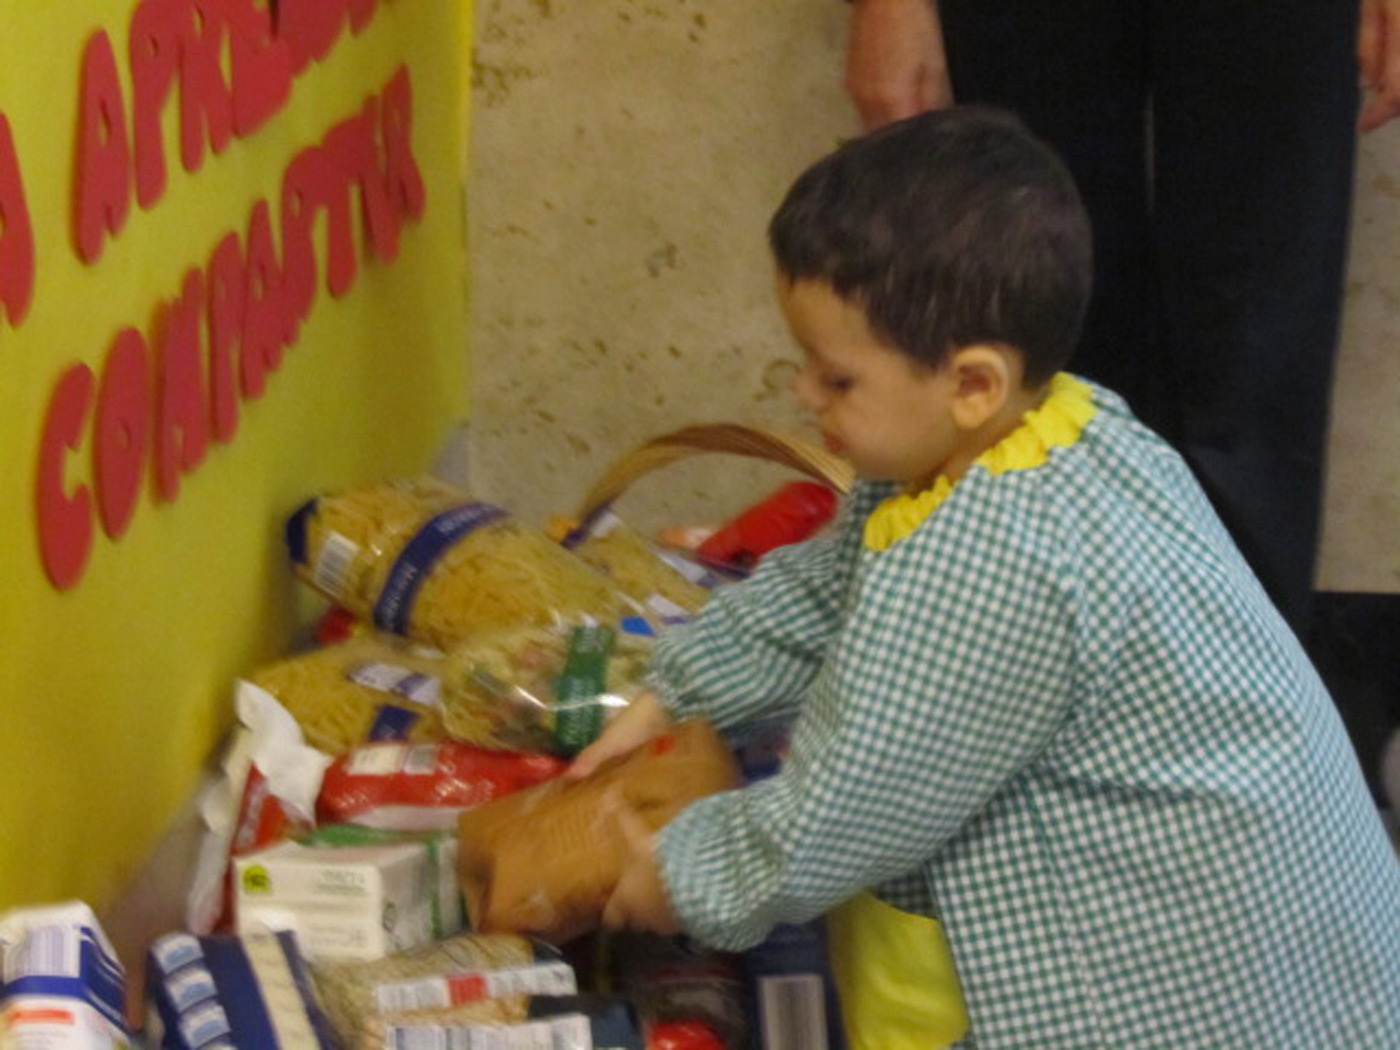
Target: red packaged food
<point>262,821</point>
<point>683,1035</point>
<point>795,512</point>
<point>423,787</point>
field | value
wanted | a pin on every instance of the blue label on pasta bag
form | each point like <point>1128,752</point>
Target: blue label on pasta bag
<point>296,531</point>
<point>392,722</point>
<point>394,608</point>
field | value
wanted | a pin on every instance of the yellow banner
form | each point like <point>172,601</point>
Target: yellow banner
<point>232,275</point>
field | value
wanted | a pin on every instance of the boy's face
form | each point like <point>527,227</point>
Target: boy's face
<point>886,413</point>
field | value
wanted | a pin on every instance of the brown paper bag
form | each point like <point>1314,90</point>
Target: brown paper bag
<point>544,860</point>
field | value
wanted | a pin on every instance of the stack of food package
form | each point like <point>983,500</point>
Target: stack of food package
<point>412,762</point>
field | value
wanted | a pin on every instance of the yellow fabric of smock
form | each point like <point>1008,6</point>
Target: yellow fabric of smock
<point>1056,423</point>
<point>894,969</point>
<point>894,976</point>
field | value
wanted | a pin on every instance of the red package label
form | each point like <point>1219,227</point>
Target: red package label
<point>262,821</point>
<point>466,988</point>
<point>413,786</point>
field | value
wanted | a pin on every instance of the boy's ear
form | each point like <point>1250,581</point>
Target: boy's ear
<point>984,378</point>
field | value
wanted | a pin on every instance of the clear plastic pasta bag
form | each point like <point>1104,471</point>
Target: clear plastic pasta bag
<point>667,586</point>
<point>465,978</point>
<point>372,687</point>
<point>541,689</point>
<point>421,558</point>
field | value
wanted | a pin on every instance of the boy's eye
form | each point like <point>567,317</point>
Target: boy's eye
<point>837,384</point>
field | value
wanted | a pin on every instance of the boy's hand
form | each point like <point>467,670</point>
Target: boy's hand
<point>643,719</point>
<point>640,901</point>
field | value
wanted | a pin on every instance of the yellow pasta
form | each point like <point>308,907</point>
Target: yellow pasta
<point>336,694</point>
<point>420,558</point>
<point>501,685</point>
<point>362,999</point>
<point>631,563</point>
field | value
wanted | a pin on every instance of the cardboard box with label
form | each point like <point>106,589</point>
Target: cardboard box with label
<point>352,902</point>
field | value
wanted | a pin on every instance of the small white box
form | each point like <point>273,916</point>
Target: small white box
<point>352,902</point>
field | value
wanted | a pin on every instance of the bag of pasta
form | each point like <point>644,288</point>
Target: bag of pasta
<point>370,687</point>
<point>668,587</point>
<point>541,689</point>
<point>421,558</point>
<point>468,978</point>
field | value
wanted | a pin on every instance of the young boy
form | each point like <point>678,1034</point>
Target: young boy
<point>1037,692</point>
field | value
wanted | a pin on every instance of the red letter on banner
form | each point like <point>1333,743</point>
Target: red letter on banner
<point>206,100</point>
<point>261,67</point>
<point>64,522</point>
<point>227,293</point>
<point>122,431</point>
<point>309,28</point>
<point>334,189</point>
<point>264,321</point>
<point>404,180</point>
<point>304,186</point>
<point>156,29</point>
<point>183,405</point>
<point>361,12</point>
<point>354,144</point>
<point>103,189</point>
<point>16,234</point>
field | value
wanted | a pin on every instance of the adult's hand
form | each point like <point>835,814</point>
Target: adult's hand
<point>895,66</point>
<point>1378,49</point>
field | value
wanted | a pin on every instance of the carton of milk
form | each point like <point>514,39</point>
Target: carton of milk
<point>361,901</point>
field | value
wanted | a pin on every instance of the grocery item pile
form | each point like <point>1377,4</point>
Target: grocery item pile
<point>391,858</point>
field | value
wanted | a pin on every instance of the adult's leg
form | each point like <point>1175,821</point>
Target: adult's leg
<point>1254,114</point>
<point>1076,73</point>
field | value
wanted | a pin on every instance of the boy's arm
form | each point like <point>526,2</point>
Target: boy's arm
<point>950,680</point>
<point>755,647</point>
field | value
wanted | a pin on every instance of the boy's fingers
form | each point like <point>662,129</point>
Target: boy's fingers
<point>625,908</point>
<point>587,761</point>
<point>615,915</point>
<point>584,763</point>
<point>635,833</point>
<point>641,721</point>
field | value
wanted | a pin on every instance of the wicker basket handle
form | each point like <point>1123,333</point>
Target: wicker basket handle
<point>802,456</point>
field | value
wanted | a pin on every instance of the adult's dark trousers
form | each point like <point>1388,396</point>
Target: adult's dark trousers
<point>1213,142</point>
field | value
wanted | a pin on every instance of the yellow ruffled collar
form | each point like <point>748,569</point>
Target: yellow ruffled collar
<point>1056,423</point>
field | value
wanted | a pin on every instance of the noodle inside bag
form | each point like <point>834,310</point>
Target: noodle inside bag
<point>423,559</point>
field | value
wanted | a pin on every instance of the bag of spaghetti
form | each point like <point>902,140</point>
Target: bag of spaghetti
<point>371,687</point>
<point>542,689</point>
<point>421,558</point>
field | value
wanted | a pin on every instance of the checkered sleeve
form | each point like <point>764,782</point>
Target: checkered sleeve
<point>752,652</point>
<point>950,674</point>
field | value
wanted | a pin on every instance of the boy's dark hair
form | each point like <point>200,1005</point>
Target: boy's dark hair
<point>950,228</point>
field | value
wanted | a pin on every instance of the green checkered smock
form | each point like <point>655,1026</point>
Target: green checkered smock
<point>1062,717</point>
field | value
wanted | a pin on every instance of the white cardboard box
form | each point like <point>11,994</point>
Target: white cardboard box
<point>352,902</point>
